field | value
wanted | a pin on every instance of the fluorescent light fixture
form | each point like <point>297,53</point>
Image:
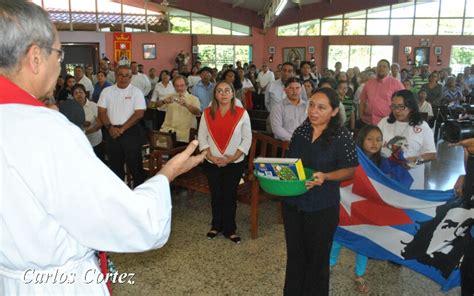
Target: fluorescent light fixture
<point>280,6</point>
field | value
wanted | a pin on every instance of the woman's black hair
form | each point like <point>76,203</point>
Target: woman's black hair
<point>313,85</point>
<point>161,73</point>
<point>103,72</point>
<point>329,133</point>
<point>174,69</point>
<point>237,83</point>
<point>414,118</point>
<point>292,80</point>
<point>329,80</point>
<point>76,86</point>
<point>376,157</point>
<point>305,63</point>
<point>67,78</point>
<point>58,88</point>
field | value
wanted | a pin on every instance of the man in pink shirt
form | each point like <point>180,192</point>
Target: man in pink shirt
<point>376,96</point>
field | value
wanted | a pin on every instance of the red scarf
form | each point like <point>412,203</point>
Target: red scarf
<point>221,128</point>
<point>11,94</point>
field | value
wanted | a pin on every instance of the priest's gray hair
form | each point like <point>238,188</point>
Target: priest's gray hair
<point>22,24</point>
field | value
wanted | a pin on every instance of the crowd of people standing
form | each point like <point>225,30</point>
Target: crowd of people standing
<point>392,111</point>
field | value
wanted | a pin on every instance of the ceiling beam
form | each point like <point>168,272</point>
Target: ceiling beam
<point>265,7</point>
<point>270,14</point>
<point>220,10</point>
<point>297,2</point>
<point>238,3</point>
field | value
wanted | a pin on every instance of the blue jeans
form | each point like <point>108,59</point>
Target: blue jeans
<point>361,260</point>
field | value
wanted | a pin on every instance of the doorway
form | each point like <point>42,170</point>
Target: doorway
<point>81,54</point>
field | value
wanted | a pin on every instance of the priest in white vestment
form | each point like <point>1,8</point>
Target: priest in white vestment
<point>58,202</point>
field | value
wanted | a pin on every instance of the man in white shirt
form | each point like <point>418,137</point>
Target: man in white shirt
<point>264,78</point>
<point>140,80</point>
<point>275,90</point>
<point>82,79</point>
<point>56,226</point>
<point>153,79</point>
<point>121,106</point>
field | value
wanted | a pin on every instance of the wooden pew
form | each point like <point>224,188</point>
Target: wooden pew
<point>248,191</point>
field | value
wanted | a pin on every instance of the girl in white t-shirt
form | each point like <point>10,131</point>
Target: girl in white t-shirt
<point>407,138</point>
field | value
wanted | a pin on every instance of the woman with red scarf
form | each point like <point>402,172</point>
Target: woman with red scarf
<point>226,135</point>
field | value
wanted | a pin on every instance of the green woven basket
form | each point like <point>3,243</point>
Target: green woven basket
<point>284,187</point>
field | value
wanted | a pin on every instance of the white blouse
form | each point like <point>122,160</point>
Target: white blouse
<point>160,92</point>
<point>92,112</point>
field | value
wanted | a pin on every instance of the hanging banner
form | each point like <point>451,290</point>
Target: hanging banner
<point>122,48</point>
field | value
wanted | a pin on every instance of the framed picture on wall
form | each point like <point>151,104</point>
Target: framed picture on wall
<point>422,56</point>
<point>290,54</point>
<point>438,50</point>
<point>149,51</point>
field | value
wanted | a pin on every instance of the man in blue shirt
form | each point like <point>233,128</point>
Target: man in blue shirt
<point>203,89</point>
<point>290,113</point>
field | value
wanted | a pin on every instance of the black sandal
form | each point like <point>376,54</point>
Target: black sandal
<point>212,234</point>
<point>234,238</point>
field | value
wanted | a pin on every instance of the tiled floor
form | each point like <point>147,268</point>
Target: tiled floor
<point>189,264</point>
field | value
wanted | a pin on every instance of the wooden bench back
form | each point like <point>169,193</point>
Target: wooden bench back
<point>258,119</point>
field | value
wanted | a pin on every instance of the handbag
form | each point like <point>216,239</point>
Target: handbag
<point>163,140</point>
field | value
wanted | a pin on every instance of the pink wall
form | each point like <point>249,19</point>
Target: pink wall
<point>281,42</point>
<point>168,45</point>
<point>398,42</point>
<point>444,41</point>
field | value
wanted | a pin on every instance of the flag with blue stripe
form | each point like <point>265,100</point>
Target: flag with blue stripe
<point>425,230</point>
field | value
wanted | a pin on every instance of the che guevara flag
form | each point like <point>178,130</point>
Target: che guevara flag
<point>425,230</point>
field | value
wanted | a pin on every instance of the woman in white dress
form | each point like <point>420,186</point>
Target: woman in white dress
<point>193,78</point>
<point>407,138</point>
<point>163,88</point>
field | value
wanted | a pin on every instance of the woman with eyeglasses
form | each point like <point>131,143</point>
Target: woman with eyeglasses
<point>407,138</point>
<point>226,135</point>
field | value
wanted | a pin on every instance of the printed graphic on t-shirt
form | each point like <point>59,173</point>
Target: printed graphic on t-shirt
<point>399,146</point>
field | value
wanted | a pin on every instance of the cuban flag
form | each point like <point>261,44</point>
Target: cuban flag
<point>425,230</point>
